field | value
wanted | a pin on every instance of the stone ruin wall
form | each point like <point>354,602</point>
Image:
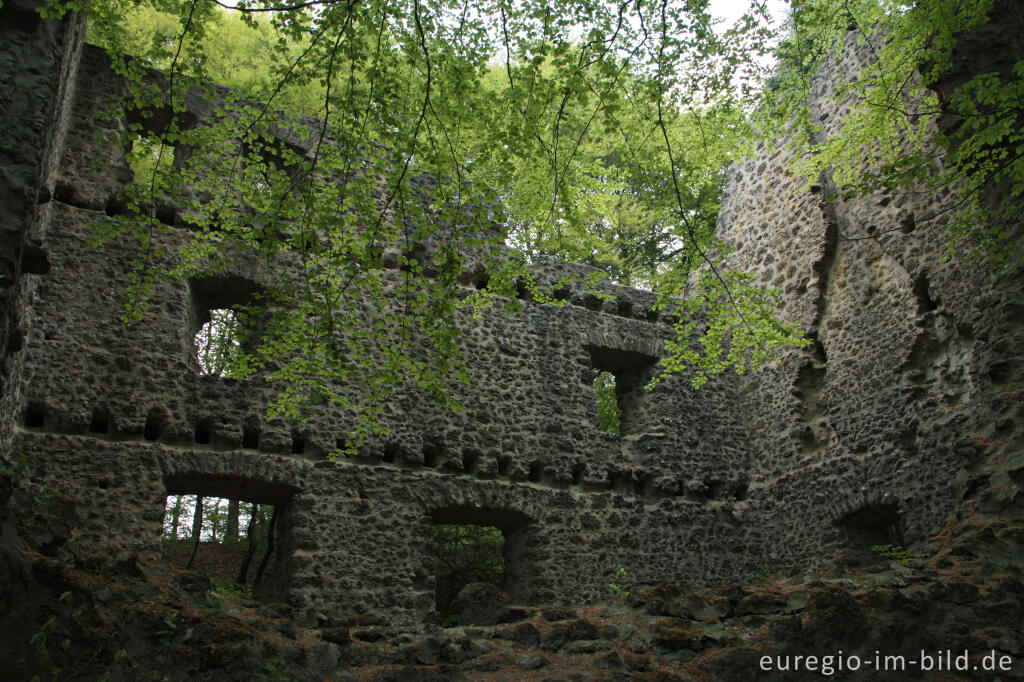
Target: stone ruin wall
<point>111,414</point>
<point>791,467</point>
<point>907,406</point>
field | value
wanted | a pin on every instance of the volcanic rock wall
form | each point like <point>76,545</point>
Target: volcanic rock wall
<point>905,406</point>
<point>119,416</point>
<point>37,68</point>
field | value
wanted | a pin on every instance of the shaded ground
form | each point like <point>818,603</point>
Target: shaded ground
<point>71,615</point>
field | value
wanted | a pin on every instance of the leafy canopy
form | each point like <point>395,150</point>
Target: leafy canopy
<point>596,131</point>
<point>899,136</point>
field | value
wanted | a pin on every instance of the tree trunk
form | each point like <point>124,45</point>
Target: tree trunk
<point>270,550</point>
<point>215,519</point>
<point>197,528</point>
<point>231,532</point>
<point>250,532</point>
<point>175,517</point>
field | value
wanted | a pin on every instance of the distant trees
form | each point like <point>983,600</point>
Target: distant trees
<point>592,131</point>
<point>609,415</point>
<point>218,521</point>
<point>464,554</point>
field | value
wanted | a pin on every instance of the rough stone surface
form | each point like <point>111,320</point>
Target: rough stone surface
<point>906,407</point>
<point>525,454</point>
<point>901,424</point>
<point>482,604</point>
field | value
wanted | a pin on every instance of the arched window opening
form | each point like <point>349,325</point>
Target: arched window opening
<point>226,323</point>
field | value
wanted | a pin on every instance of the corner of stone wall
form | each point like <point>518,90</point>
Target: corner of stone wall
<point>38,67</point>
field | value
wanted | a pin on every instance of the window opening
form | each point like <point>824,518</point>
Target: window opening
<point>465,553</point>
<point>231,541</point>
<point>145,155</point>
<point>225,324</point>
<point>273,170</point>
<point>609,416</point>
<point>620,380</point>
<point>870,530</point>
<point>216,343</point>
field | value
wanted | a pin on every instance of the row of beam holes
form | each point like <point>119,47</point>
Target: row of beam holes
<point>35,417</point>
<point>480,280</point>
<point>203,434</point>
<point>100,424</point>
<point>615,481</point>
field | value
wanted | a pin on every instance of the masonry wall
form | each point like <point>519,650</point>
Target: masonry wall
<point>906,407</point>
<point>119,416</point>
<point>37,73</point>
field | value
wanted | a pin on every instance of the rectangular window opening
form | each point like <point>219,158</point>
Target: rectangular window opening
<point>620,380</point>
<point>231,541</point>
<point>465,554</point>
<point>609,416</point>
<point>226,321</point>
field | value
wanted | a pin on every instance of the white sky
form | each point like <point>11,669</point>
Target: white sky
<point>731,10</point>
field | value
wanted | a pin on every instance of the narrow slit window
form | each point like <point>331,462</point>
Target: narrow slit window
<point>609,415</point>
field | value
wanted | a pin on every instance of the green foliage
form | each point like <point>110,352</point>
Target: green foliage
<point>275,669</point>
<point>216,343</point>
<point>603,131</point>
<point>897,553</point>
<point>712,337</point>
<point>886,141</point>
<point>470,551</point>
<point>463,554</point>
<point>621,584</point>
<point>608,413</point>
